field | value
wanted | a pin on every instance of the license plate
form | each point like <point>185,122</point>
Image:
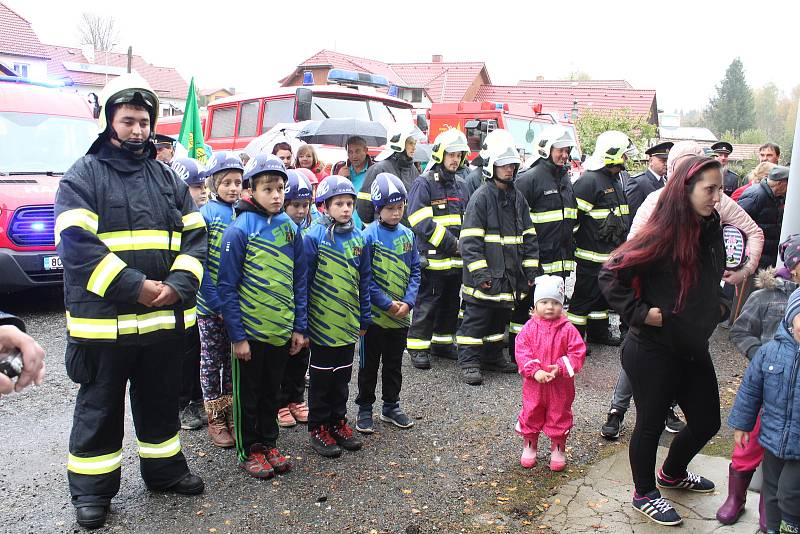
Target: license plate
<point>52,263</point>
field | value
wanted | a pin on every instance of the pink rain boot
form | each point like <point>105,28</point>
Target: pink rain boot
<point>558,461</point>
<point>528,458</point>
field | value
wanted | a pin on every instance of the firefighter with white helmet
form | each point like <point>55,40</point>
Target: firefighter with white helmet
<point>501,261</point>
<point>475,177</point>
<point>396,158</point>
<point>436,204</point>
<point>133,245</point>
<point>603,223</point>
<point>548,190</point>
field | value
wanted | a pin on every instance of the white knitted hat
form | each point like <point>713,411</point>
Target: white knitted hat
<point>549,286</point>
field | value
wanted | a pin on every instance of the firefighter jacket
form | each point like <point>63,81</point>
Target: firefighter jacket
<point>398,164</point>
<point>436,204</point>
<point>603,216</point>
<point>218,215</point>
<point>548,190</point>
<point>498,245</point>
<point>262,277</point>
<point>122,219</point>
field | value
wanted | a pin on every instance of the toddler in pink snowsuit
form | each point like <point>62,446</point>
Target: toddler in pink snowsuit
<point>549,351</point>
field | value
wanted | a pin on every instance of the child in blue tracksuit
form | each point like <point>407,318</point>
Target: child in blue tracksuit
<point>224,178</point>
<point>772,382</point>
<point>338,314</point>
<point>393,291</point>
<point>293,409</point>
<point>262,286</point>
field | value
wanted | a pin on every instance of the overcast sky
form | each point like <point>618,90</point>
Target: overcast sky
<point>680,48</point>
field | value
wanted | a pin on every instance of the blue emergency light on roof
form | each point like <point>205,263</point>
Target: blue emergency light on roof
<point>308,78</point>
<point>41,83</point>
<point>349,77</point>
<point>392,90</point>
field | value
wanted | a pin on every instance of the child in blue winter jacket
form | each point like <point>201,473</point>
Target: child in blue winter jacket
<point>338,314</point>
<point>772,382</point>
<point>393,291</point>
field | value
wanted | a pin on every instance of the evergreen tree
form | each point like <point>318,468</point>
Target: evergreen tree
<point>732,109</point>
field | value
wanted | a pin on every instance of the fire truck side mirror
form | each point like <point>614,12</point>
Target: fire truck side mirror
<point>422,123</point>
<point>302,105</point>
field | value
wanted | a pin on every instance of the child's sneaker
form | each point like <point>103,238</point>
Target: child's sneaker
<point>343,434</point>
<point>656,508</point>
<point>393,414</point>
<point>364,423</point>
<point>299,411</point>
<point>528,458</point>
<point>557,459</point>
<point>690,482</point>
<point>323,443</point>
<point>256,464</point>
<point>278,461</point>
<point>285,418</point>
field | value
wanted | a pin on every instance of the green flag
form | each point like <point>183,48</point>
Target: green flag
<point>191,136</point>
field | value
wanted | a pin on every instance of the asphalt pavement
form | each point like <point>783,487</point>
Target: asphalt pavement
<point>457,470</point>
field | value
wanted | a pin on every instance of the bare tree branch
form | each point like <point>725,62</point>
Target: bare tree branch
<point>98,32</point>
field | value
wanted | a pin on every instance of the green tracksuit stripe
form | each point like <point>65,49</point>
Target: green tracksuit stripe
<point>237,407</point>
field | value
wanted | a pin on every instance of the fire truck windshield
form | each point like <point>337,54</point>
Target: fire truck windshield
<point>35,143</point>
<point>336,107</point>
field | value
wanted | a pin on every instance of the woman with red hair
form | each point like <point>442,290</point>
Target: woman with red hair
<point>665,284</point>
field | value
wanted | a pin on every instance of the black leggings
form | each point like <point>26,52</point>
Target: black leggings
<point>657,377</point>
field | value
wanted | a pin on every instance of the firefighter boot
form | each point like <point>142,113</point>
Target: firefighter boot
<point>421,359</point>
<point>217,428</point>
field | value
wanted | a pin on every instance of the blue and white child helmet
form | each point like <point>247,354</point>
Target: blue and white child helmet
<point>191,171</point>
<point>223,160</point>
<point>387,189</point>
<point>333,186</point>
<point>263,164</point>
<point>297,186</point>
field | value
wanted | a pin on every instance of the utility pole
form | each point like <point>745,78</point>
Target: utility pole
<point>130,58</point>
<point>791,212</point>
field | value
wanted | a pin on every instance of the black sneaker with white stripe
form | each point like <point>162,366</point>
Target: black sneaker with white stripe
<point>691,482</point>
<point>656,508</point>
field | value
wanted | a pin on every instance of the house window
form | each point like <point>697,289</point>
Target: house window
<point>21,69</point>
<point>416,95</point>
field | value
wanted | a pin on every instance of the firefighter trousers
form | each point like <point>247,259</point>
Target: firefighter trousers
<point>519,316</point>
<point>588,309</point>
<point>480,338</point>
<point>95,445</point>
<point>435,314</point>
<point>190,370</point>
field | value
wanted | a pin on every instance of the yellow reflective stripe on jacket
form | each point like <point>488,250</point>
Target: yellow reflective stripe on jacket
<point>417,344</point>
<point>79,327</point>
<point>190,317</point>
<point>599,213</point>
<point>444,264</point>
<point>80,217</point>
<point>570,213</point>
<point>547,216</point>
<point>558,266</point>
<point>159,320</point>
<point>472,232</point>
<point>95,465</point>
<point>165,449</point>
<point>624,209</point>
<point>420,215</point>
<point>475,265</point>
<point>515,328</point>
<point>598,315</point>
<point>141,240</point>
<point>185,262</point>
<point>193,220</point>
<point>494,338</point>
<point>530,263</point>
<point>452,219</point>
<point>504,240</point>
<point>530,230</point>
<point>478,294</point>
<point>590,255</point>
<point>363,195</point>
<point>576,319</point>
<point>105,272</point>
<point>437,235</point>
<point>583,205</point>
<point>128,324</point>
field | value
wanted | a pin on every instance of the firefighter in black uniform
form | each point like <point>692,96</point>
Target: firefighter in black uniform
<point>730,180</point>
<point>133,245</point>
<point>436,204</point>
<point>501,262</point>
<point>603,223</point>
<point>655,177</point>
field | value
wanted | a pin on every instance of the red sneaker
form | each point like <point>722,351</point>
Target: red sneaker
<point>343,435</point>
<point>278,461</point>
<point>257,466</point>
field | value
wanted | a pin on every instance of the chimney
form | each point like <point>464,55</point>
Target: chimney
<point>437,58</point>
<point>539,78</point>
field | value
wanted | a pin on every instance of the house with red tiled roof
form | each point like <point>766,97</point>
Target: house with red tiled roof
<point>21,52</point>
<point>609,84</point>
<point>567,100</point>
<point>419,83</point>
<point>90,74</point>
